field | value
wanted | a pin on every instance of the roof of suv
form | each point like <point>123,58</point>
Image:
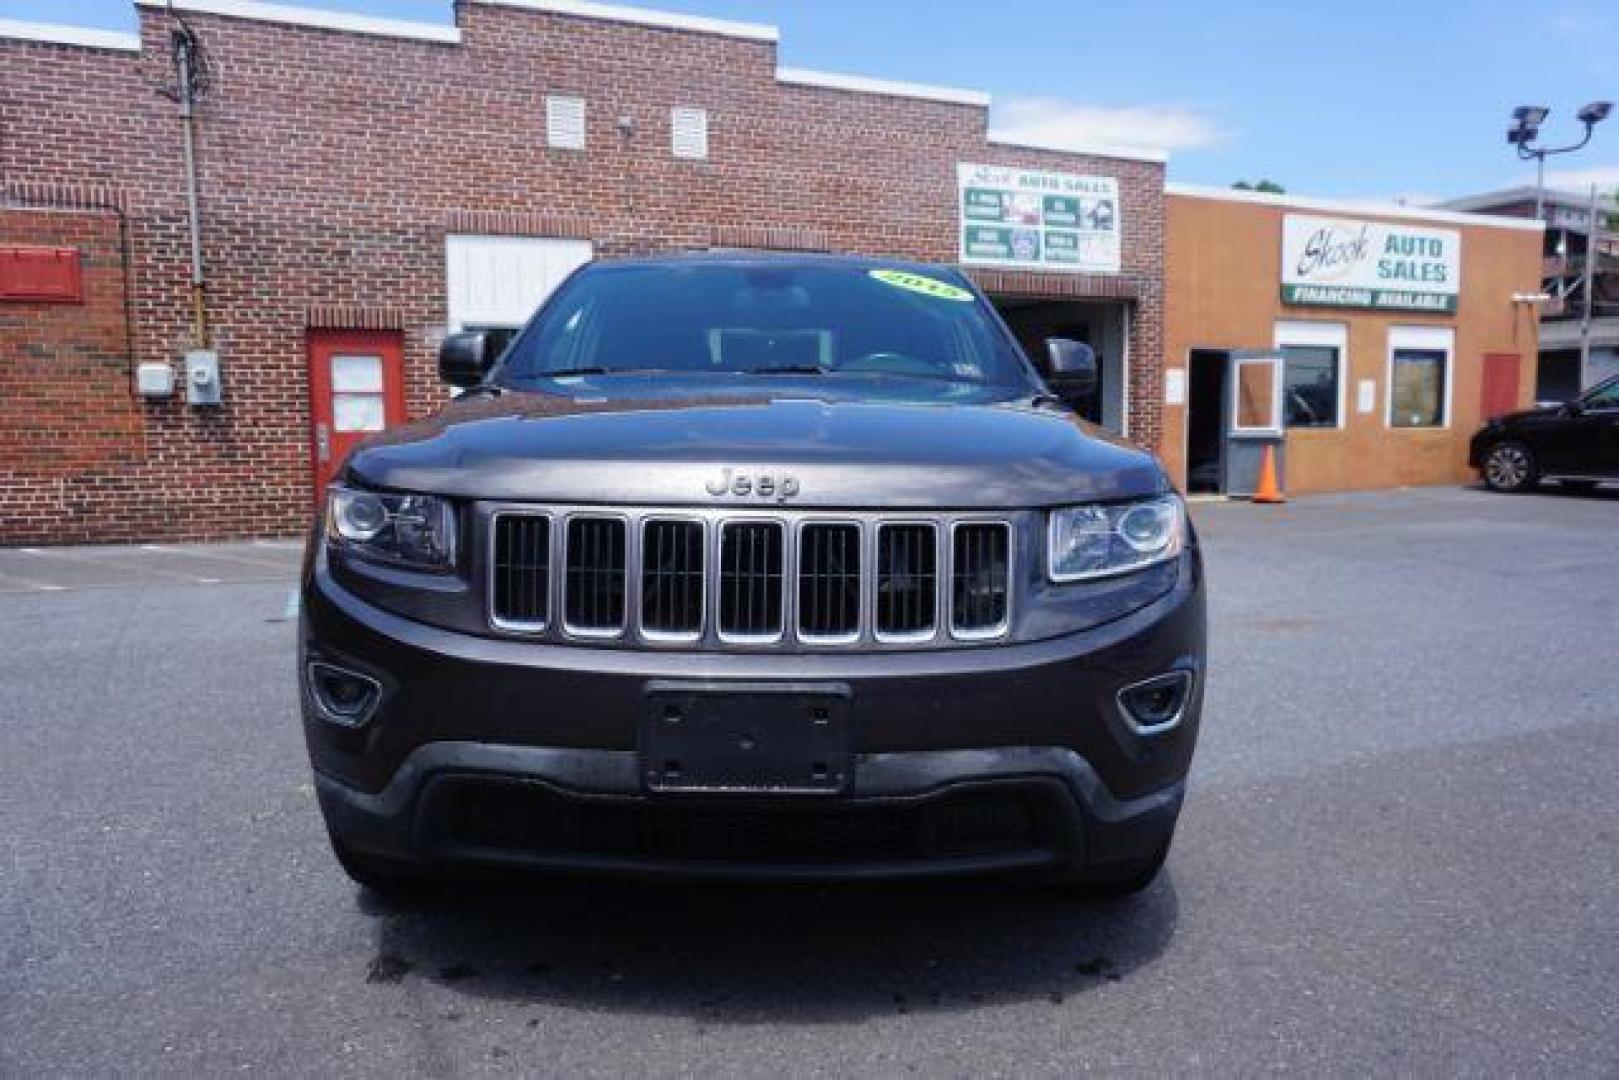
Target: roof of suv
<point>742,257</point>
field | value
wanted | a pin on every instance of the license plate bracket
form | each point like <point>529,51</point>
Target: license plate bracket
<point>753,738</point>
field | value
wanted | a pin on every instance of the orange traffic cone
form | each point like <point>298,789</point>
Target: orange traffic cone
<point>1269,491</point>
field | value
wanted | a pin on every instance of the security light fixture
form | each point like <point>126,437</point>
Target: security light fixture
<point>1531,115</point>
<point>1594,113</point>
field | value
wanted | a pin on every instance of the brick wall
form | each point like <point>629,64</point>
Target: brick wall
<point>333,164</point>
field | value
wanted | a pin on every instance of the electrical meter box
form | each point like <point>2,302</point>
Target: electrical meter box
<point>202,377</point>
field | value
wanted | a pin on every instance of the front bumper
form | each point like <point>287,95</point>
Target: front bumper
<point>517,753</point>
<point>909,814</point>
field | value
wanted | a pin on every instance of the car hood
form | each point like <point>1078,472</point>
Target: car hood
<point>1539,413</point>
<point>676,450</point>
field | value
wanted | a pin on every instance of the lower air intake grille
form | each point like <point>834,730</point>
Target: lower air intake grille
<point>520,588</point>
<point>461,814</point>
<point>594,595</point>
<point>829,582</point>
<point>750,580</point>
<point>978,572</point>
<point>672,578</point>
<point>907,581</point>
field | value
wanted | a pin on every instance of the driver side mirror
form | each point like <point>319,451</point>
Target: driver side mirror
<point>1071,370</point>
<point>1573,407</point>
<point>465,358</point>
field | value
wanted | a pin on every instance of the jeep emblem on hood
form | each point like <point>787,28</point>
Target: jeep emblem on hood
<point>755,485</point>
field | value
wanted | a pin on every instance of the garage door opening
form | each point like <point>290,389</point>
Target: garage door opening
<point>1100,325</point>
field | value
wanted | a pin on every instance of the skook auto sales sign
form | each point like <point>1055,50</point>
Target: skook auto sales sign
<point>1339,262</point>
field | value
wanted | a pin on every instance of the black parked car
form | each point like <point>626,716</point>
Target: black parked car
<point>754,566</point>
<point>1576,444</point>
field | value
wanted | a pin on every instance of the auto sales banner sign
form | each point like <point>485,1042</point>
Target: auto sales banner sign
<point>1339,262</point>
<point>1024,220</point>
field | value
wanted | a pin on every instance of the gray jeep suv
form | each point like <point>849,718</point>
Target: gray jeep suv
<point>745,565</point>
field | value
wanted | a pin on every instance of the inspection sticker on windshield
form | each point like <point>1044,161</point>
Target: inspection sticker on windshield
<point>916,283</point>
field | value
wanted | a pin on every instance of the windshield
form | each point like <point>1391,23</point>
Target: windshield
<point>848,323</point>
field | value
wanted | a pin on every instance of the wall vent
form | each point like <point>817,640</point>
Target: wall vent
<point>565,122</point>
<point>688,133</point>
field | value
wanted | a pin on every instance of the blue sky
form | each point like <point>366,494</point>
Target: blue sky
<point>1369,99</point>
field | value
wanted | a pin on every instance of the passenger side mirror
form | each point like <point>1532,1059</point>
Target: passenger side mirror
<point>1072,370</point>
<point>1572,408</point>
<point>465,358</point>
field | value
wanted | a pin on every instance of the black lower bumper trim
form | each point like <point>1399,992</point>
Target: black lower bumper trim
<point>908,814</point>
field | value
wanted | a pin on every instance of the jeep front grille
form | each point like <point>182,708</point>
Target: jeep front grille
<point>749,578</point>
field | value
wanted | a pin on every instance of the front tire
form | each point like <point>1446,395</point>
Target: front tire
<point>1510,467</point>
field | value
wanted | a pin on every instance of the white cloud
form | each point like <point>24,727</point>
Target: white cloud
<point>1058,124</point>
<point>1569,24</point>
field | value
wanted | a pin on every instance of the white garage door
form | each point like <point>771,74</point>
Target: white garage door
<point>496,282</point>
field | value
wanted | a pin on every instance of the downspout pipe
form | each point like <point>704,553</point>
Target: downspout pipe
<point>184,45</point>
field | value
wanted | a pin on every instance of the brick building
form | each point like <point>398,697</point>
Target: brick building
<point>1363,343</point>
<point>366,184</point>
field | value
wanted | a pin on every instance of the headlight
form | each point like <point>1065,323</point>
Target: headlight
<point>1099,541</point>
<point>415,531</point>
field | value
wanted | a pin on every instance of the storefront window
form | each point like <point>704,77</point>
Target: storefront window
<point>1256,395</point>
<point>1417,389</point>
<point>1310,385</point>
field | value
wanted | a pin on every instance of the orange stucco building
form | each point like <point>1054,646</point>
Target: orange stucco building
<point>1394,332</point>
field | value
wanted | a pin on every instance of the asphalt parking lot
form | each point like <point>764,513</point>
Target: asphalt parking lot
<point>1400,853</point>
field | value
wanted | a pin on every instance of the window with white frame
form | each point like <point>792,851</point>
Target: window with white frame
<point>1419,376</point>
<point>688,133</point>
<point>1313,373</point>
<point>564,122</point>
<point>495,283</point>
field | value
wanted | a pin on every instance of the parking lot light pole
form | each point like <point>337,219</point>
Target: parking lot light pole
<point>1525,130</point>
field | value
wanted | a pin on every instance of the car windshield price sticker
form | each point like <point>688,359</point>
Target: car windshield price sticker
<point>917,283</point>
<point>1027,220</point>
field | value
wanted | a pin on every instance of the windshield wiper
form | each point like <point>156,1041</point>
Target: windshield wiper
<point>791,369</point>
<point>566,373</point>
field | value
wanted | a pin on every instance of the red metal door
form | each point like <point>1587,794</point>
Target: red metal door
<point>356,387</point>
<point>1499,391</point>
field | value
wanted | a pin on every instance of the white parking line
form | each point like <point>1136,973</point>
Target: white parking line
<point>192,552</point>
<point>30,585</point>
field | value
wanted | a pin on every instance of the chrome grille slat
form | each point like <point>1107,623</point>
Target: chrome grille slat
<point>980,578</point>
<point>907,581</point>
<point>672,578</point>
<point>596,565</point>
<point>520,596</point>
<point>829,581</point>
<point>750,582</point>
<point>724,577</point>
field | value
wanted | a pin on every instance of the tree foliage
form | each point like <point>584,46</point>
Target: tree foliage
<point>1269,187</point>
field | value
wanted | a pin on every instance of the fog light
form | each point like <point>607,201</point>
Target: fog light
<point>1158,704</point>
<point>343,697</point>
